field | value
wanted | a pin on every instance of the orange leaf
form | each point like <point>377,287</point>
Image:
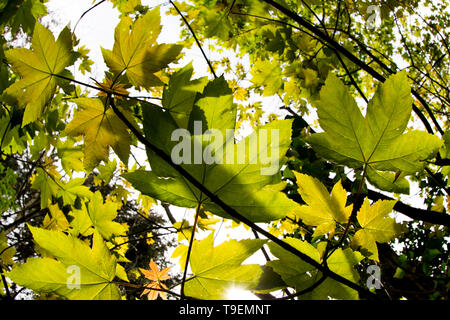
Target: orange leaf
<point>155,276</point>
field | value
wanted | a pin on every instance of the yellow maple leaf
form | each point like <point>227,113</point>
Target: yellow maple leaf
<point>323,209</point>
<point>376,226</point>
<point>101,129</point>
<point>136,54</point>
<point>38,69</point>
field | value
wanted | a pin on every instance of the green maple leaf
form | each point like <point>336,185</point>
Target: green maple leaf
<point>47,186</point>
<point>301,275</point>
<point>180,94</point>
<point>96,266</point>
<point>322,210</point>
<point>136,53</point>
<point>98,215</point>
<point>102,214</point>
<point>377,140</point>
<point>241,184</point>
<point>81,223</point>
<point>216,269</point>
<point>101,129</point>
<point>267,74</point>
<point>72,189</point>
<point>38,68</point>
<point>376,226</point>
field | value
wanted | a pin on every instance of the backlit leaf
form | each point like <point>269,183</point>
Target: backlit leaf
<point>136,53</point>
<point>376,140</point>
<point>96,267</point>
<point>217,268</point>
<point>101,129</point>
<point>376,226</point>
<point>322,210</point>
<point>38,68</point>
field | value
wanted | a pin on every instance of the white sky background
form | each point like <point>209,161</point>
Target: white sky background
<point>96,30</point>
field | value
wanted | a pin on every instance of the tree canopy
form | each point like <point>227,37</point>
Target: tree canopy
<point>318,138</point>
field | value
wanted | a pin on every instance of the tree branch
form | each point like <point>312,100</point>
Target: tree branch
<point>375,74</point>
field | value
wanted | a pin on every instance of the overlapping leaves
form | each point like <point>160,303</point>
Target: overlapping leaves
<point>322,210</point>
<point>300,275</point>
<point>101,129</point>
<point>242,182</point>
<point>376,226</point>
<point>93,269</point>
<point>216,269</point>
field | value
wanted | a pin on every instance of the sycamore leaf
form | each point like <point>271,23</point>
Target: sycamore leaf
<point>50,186</point>
<point>106,171</point>
<point>217,268</point>
<point>47,186</point>
<point>267,74</point>
<point>73,189</point>
<point>301,275</point>
<point>81,222</point>
<point>78,272</point>
<point>248,179</point>
<point>136,53</point>
<point>101,129</point>
<point>378,140</point>
<point>26,15</point>
<point>38,68</point>
<point>322,210</point>
<point>388,181</point>
<point>180,252</point>
<point>102,214</point>
<point>376,226</point>
<point>179,95</point>
<point>155,276</point>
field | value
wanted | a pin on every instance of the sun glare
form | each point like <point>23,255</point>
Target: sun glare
<point>240,294</point>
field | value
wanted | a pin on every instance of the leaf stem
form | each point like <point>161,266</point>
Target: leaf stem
<point>352,215</point>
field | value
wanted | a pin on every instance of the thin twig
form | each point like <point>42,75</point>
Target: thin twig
<point>195,38</point>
